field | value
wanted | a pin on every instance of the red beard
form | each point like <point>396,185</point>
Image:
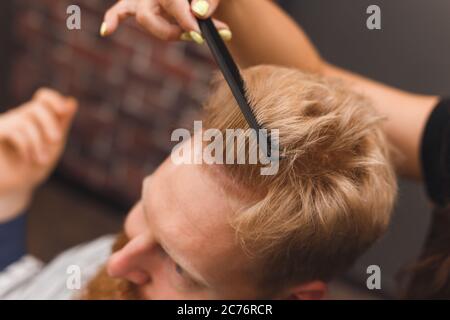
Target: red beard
<point>103,287</point>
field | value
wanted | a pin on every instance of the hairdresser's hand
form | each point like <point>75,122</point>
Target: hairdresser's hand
<point>165,19</point>
<point>32,138</point>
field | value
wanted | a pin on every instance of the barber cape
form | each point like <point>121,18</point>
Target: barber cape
<point>62,279</point>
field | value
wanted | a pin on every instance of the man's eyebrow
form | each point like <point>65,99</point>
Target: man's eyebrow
<point>197,279</point>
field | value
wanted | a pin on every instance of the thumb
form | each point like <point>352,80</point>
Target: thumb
<point>204,8</point>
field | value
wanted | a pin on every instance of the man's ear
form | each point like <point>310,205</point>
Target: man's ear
<point>315,290</point>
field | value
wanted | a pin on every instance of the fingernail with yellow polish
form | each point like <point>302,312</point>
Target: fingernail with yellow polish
<point>226,34</point>
<point>185,36</point>
<point>201,7</point>
<point>197,37</point>
<point>104,29</point>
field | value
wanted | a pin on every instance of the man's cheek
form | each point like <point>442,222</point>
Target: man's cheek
<point>162,288</point>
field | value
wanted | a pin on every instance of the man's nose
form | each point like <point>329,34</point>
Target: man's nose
<point>128,262</point>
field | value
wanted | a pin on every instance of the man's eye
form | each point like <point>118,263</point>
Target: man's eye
<point>185,282</point>
<point>179,269</point>
<point>161,251</point>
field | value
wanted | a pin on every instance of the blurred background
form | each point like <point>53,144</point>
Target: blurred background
<point>134,90</point>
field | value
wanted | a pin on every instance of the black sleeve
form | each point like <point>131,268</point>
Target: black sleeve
<point>12,241</point>
<point>435,154</point>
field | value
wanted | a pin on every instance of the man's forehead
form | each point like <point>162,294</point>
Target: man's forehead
<point>191,212</point>
<point>191,191</point>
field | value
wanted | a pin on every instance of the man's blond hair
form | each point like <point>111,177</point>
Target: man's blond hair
<point>334,192</point>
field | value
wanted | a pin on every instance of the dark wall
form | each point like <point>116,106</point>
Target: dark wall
<point>133,90</point>
<point>5,50</point>
<point>412,52</point>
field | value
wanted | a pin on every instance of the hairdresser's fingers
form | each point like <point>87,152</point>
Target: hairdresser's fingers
<point>70,107</point>
<point>151,18</point>
<point>18,141</point>
<point>64,108</point>
<point>47,123</point>
<point>204,8</point>
<point>36,146</point>
<point>9,121</point>
<point>52,99</point>
<point>4,127</point>
<point>181,11</point>
<point>116,14</point>
<point>44,91</point>
<point>220,24</point>
<point>223,29</point>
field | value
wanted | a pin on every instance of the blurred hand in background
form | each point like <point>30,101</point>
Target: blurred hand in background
<point>32,138</point>
<point>165,19</point>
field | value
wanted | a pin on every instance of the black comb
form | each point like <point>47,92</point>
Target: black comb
<point>232,76</point>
